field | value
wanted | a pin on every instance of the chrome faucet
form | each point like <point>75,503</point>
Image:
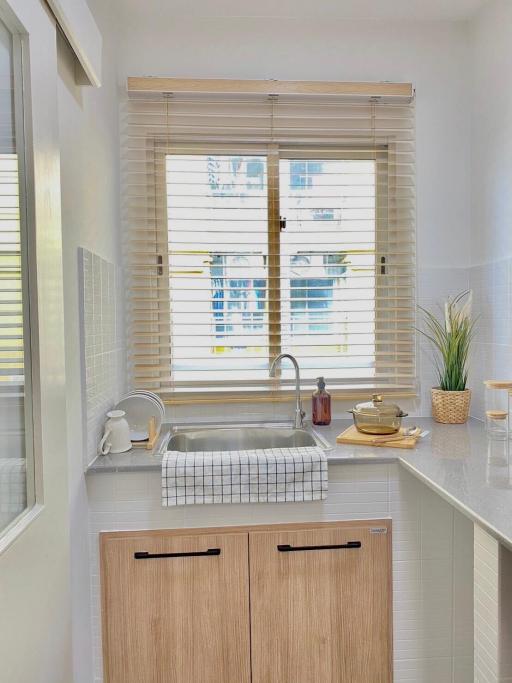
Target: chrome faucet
<point>299,413</point>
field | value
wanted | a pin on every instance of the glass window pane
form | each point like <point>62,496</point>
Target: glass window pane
<point>328,265</point>
<point>218,235</point>
<point>218,255</point>
<point>13,434</point>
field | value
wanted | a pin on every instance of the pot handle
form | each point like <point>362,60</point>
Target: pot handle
<point>402,414</point>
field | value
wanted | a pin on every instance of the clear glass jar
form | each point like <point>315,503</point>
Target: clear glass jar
<point>498,453</point>
<point>498,469</point>
<point>497,398</point>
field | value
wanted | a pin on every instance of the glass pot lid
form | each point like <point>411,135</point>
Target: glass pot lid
<point>377,407</point>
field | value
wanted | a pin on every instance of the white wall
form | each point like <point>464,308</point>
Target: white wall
<point>432,55</point>
<point>491,133</point>
<point>491,196</point>
<point>88,127</point>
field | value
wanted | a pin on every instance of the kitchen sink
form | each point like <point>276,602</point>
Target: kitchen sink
<point>237,438</point>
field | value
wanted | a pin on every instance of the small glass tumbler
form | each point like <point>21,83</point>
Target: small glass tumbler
<point>497,453</point>
<point>497,398</point>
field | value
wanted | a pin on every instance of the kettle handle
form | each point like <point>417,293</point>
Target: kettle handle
<point>104,448</point>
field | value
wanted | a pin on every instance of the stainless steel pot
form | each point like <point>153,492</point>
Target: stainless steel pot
<point>377,416</point>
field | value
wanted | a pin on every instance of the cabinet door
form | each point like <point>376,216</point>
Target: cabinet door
<point>183,618</point>
<point>321,615</point>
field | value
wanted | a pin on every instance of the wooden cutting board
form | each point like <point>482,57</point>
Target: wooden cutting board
<point>352,436</point>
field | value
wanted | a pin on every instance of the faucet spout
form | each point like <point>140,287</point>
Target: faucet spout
<point>299,413</point>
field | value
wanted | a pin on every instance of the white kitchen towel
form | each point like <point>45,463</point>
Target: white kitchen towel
<point>272,475</point>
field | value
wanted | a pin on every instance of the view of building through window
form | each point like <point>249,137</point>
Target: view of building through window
<point>240,293</point>
<point>13,391</point>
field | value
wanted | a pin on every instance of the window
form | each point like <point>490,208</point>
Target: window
<point>302,173</point>
<point>16,475</point>
<point>241,249</point>
<point>218,265</point>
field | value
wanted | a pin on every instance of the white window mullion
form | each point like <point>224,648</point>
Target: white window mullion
<point>275,268</point>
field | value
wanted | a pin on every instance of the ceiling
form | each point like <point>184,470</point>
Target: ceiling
<point>396,10</point>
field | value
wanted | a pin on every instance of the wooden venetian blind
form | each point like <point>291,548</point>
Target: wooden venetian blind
<point>259,223</point>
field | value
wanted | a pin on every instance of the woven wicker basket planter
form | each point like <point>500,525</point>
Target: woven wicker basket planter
<point>451,407</point>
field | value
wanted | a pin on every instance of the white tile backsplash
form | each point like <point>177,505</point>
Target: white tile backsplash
<point>432,553</point>
<point>492,609</point>
<point>486,607</point>
<point>492,290</point>
<point>103,353</point>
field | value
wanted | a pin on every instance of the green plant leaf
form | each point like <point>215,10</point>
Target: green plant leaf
<point>451,336</point>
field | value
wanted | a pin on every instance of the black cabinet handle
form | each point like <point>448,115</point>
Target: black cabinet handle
<point>296,548</point>
<point>154,556</point>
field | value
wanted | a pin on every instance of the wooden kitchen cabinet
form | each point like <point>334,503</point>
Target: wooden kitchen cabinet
<point>321,605</point>
<point>293,603</point>
<point>175,619</point>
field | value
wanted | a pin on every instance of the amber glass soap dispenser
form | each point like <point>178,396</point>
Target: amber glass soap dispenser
<point>321,410</point>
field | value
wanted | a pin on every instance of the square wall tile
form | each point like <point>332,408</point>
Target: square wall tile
<point>102,346</point>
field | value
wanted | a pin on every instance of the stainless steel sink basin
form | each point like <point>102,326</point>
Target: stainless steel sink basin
<point>241,438</point>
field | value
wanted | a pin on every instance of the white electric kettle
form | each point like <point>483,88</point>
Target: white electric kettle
<point>116,438</point>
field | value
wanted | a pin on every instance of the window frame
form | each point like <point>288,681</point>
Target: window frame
<point>21,99</point>
<point>157,149</point>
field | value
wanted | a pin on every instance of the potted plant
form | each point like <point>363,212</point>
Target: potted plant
<point>451,337</point>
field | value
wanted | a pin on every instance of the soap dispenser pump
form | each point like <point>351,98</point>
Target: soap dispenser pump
<point>321,409</point>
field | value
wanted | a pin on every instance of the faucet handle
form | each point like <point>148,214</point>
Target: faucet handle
<point>299,418</point>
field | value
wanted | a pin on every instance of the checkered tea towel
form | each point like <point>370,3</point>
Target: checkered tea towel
<point>272,475</point>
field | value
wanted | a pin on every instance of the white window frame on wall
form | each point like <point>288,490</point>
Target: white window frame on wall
<point>34,489</point>
<point>274,154</point>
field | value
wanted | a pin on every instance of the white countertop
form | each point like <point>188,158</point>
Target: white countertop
<point>457,461</point>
